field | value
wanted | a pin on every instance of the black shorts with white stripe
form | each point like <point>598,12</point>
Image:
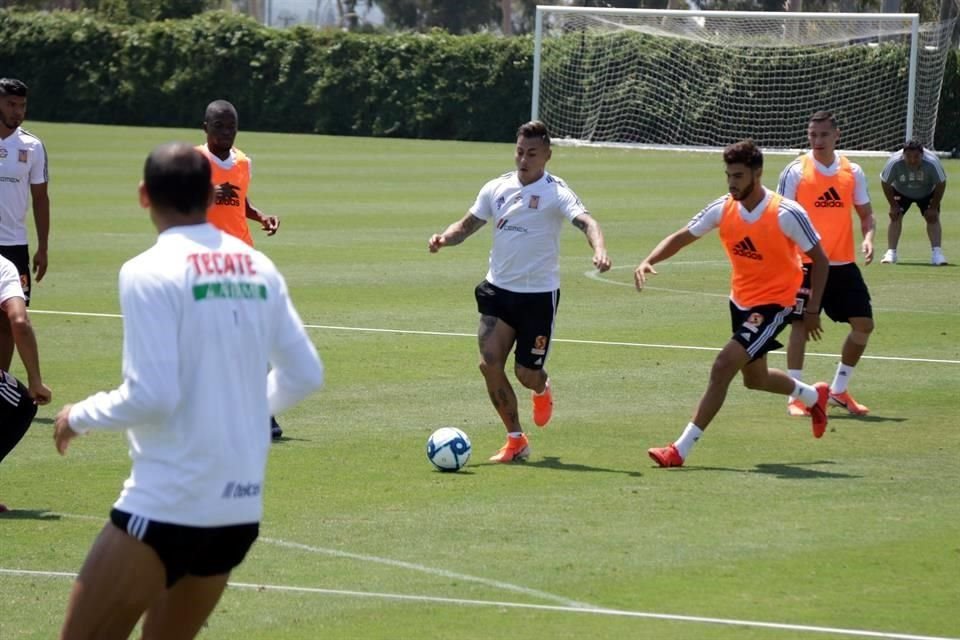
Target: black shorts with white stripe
<point>757,328</point>
<point>195,551</point>
<point>16,412</point>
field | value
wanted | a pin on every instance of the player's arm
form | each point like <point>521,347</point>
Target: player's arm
<point>41,220</point>
<point>455,233</point>
<point>891,195</point>
<point>868,226</point>
<point>936,197</point>
<point>15,309</point>
<point>591,228</point>
<point>667,248</point>
<point>819,269</point>
<point>270,224</point>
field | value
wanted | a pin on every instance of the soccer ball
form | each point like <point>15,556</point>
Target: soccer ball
<point>448,449</point>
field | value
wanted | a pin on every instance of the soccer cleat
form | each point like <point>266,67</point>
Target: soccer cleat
<point>890,257</point>
<point>516,450</point>
<point>666,456</point>
<point>796,408</point>
<point>846,401</point>
<point>275,431</point>
<point>937,258</point>
<point>3,508</point>
<point>542,407</point>
<point>818,412</point>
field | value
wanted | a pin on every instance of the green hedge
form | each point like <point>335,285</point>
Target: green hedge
<point>81,69</point>
<point>477,87</point>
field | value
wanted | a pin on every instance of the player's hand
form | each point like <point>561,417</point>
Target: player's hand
<point>39,264</point>
<point>867,248</point>
<point>811,322</point>
<point>40,393</point>
<point>270,224</point>
<point>601,261</point>
<point>436,242</point>
<point>62,433</point>
<point>640,274</point>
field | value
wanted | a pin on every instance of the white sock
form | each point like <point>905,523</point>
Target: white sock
<point>687,439</point>
<point>842,378</point>
<point>515,434</point>
<point>807,394</point>
<point>796,374</point>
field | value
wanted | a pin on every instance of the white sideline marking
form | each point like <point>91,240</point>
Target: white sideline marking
<point>453,334</point>
<point>506,586</point>
<point>778,626</point>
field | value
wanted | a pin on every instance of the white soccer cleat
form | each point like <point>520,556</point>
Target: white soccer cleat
<point>890,257</point>
<point>937,258</point>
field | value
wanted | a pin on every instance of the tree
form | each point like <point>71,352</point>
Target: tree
<point>455,16</point>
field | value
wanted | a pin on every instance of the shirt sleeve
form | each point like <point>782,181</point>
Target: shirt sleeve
<point>569,203</point>
<point>860,193</point>
<point>296,369</point>
<point>483,206</point>
<point>889,166</point>
<point>931,158</point>
<point>150,390</point>
<point>708,219</point>
<point>789,180</point>
<point>795,224</point>
<point>38,170</point>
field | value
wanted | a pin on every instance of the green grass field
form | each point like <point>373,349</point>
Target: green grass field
<point>766,534</point>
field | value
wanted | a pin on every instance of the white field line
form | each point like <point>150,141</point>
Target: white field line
<point>777,626</point>
<point>453,334</point>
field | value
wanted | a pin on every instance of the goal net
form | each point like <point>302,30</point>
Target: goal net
<point>704,79</point>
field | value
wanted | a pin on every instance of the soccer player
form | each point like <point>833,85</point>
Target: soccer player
<point>18,403</point>
<point>518,298</point>
<point>204,315</point>
<point>761,232</point>
<point>828,186</point>
<point>23,178</point>
<point>914,175</point>
<point>231,173</point>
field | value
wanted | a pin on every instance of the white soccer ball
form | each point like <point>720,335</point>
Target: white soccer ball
<point>448,449</point>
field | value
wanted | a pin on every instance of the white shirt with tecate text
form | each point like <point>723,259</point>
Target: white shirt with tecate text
<point>527,222</point>
<point>203,315</point>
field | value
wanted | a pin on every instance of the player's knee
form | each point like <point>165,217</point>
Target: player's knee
<point>754,382</point>
<point>932,217</point>
<point>861,334</point>
<point>489,366</point>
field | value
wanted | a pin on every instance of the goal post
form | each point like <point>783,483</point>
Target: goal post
<point>702,79</point>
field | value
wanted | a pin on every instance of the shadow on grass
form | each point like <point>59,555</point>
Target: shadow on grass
<point>785,470</point>
<point>29,514</point>
<point>869,418</point>
<point>43,421</point>
<point>554,462</point>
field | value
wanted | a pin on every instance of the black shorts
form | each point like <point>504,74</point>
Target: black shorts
<point>195,551</point>
<point>530,314</point>
<point>757,328</point>
<point>16,412</point>
<point>19,255</point>
<point>845,296</point>
<point>922,203</point>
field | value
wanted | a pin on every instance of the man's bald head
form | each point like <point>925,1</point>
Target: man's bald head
<point>177,179</point>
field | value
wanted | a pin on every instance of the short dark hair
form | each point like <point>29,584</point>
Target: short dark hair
<point>823,116</point>
<point>534,129</point>
<point>219,106</point>
<point>177,177</point>
<point>12,87</point>
<point>744,152</point>
<point>913,145</point>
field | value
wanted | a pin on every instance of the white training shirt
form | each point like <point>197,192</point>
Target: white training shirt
<point>525,256</point>
<point>23,161</point>
<point>792,218</point>
<point>204,315</point>
<point>791,175</point>
<point>9,281</point>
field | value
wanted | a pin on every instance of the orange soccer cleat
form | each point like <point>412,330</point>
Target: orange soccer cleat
<point>846,401</point>
<point>666,456</point>
<point>818,412</point>
<point>542,406</point>
<point>796,408</point>
<point>516,450</point>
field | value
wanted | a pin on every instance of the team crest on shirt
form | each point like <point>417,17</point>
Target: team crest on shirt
<point>3,152</point>
<point>499,202</point>
<point>21,155</point>
<point>534,202</point>
<point>539,346</point>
